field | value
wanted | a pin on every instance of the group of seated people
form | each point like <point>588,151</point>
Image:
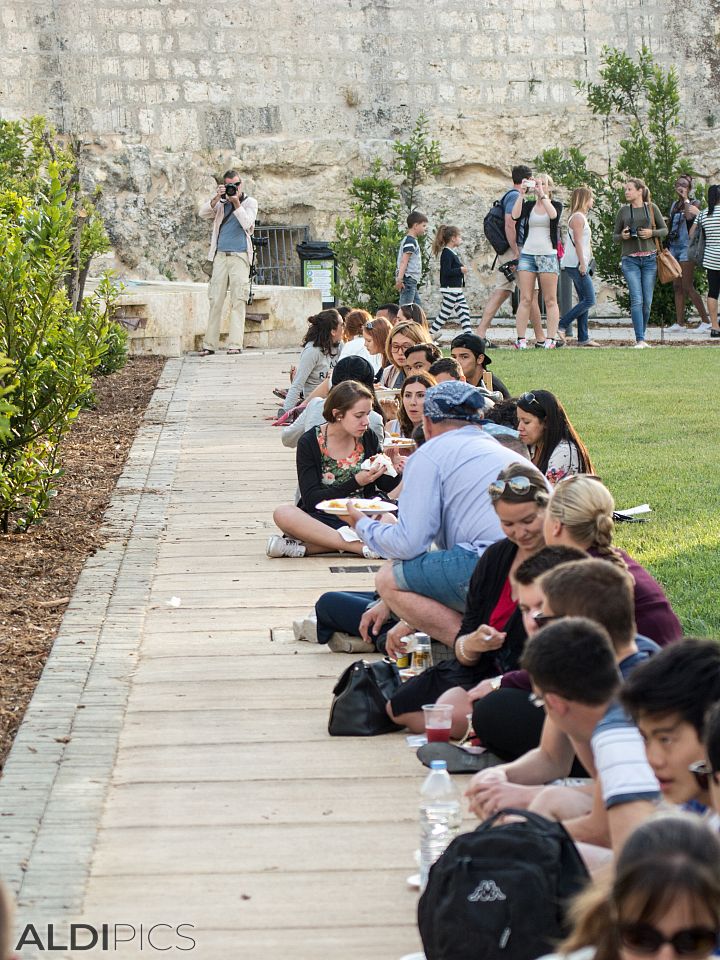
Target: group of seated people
<point>563,660</point>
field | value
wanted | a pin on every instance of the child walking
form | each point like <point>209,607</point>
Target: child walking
<point>452,280</point>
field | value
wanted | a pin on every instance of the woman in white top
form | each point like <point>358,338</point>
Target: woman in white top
<point>663,902</point>
<point>538,221</point>
<point>576,262</point>
<point>709,221</point>
<point>355,345</point>
<point>555,446</point>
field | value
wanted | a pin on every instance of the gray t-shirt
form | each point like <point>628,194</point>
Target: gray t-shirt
<point>414,267</point>
<point>232,237</point>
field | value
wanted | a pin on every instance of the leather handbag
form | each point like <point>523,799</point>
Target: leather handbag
<point>668,269</point>
<point>360,699</point>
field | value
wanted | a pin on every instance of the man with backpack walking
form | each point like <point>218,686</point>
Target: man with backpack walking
<point>500,230</point>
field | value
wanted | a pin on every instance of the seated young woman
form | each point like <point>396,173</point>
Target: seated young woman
<point>348,368</point>
<point>321,349</point>
<point>329,462</point>
<point>354,345</point>
<point>403,335</point>
<point>491,636</point>
<point>412,398</point>
<point>555,447</point>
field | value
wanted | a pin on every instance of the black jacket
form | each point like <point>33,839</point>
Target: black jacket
<point>522,221</point>
<point>451,274</point>
<point>309,471</point>
<point>483,594</point>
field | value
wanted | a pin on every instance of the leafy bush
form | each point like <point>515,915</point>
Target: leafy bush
<point>645,99</point>
<point>50,348</point>
<point>367,241</point>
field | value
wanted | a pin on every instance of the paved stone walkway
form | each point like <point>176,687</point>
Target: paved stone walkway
<point>174,766</point>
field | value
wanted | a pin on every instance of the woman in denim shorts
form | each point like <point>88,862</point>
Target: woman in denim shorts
<point>538,221</point>
<point>682,217</point>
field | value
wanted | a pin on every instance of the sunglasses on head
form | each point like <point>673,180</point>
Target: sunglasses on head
<point>520,486</point>
<point>370,324</point>
<point>695,942</point>
<point>529,399</point>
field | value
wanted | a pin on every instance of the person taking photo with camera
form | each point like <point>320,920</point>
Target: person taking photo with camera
<point>233,215</point>
<point>634,229</point>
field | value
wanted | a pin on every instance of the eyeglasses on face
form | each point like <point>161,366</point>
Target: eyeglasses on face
<point>542,619</point>
<point>694,942</point>
<point>536,699</point>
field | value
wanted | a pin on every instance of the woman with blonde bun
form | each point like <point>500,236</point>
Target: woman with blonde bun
<point>580,514</point>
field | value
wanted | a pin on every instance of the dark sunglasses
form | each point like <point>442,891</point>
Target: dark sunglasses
<point>542,619</point>
<point>517,485</point>
<point>693,942</point>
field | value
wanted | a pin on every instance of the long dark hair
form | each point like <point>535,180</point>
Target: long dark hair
<point>547,407</point>
<point>663,859</point>
<point>406,424</point>
<point>357,369</point>
<point>713,198</point>
<point>320,328</point>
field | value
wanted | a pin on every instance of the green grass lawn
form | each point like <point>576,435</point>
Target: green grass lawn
<point>651,423</point>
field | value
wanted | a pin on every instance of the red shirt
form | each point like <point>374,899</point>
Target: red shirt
<point>504,608</point>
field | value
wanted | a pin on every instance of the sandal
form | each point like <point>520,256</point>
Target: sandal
<point>206,353</point>
<point>234,351</point>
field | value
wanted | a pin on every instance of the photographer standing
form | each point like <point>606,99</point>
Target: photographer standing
<point>231,253</point>
<point>634,230</point>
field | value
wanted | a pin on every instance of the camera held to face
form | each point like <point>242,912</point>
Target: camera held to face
<point>231,189</point>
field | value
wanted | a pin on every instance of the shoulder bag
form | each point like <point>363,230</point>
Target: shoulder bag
<point>696,247</point>
<point>360,699</point>
<point>668,269</point>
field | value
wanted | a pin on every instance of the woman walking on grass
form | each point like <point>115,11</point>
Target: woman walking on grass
<point>576,262</point>
<point>709,221</point>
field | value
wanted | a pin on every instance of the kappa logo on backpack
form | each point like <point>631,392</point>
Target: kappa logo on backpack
<point>501,892</point>
<point>485,892</point>
<point>494,226</point>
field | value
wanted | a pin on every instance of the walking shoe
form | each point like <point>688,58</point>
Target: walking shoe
<point>540,344</point>
<point>520,344</point>
<point>233,351</point>
<point>551,344</point>
<point>306,629</point>
<point>370,554</point>
<point>641,345</point>
<point>458,760</point>
<point>714,333</point>
<point>284,547</point>
<point>703,327</point>
<point>345,643</point>
<point>677,328</point>
<point>206,353</point>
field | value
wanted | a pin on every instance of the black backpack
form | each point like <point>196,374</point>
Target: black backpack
<point>494,226</point>
<point>501,892</point>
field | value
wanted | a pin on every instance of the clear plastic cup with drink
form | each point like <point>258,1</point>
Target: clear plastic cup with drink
<point>438,720</point>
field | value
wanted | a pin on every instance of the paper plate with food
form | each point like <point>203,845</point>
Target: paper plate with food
<point>338,507</point>
<point>402,443</point>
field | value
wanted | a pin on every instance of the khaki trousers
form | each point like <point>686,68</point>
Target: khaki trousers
<point>231,273</point>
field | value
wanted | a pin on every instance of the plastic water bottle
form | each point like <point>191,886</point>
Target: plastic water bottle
<point>440,816</point>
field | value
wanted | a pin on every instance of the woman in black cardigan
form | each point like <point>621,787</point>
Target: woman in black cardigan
<point>491,636</point>
<point>329,459</point>
<point>538,222</point>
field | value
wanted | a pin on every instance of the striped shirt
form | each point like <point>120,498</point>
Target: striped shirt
<point>711,260</point>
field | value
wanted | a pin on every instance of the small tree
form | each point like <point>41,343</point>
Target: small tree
<point>646,100</point>
<point>367,241</point>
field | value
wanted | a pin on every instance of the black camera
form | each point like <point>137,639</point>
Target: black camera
<point>633,231</point>
<point>508,270</point>
<point>231,189</point>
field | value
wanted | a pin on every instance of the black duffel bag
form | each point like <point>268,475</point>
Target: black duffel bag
<point>360,699</point>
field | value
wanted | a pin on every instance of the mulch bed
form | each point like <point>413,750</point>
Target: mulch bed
<point>40,567</point>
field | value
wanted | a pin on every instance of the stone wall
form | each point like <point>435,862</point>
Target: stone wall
<point>169,93</point>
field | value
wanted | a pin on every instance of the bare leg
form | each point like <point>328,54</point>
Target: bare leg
<point>679,292</point>
<point>688,280</point>
<point>597,859</point>
<point>497,299</point>
<point>462,706</point>
<point>548,285</point>
<point>563,803</point>
<point>415,721</point>
<point>440,622</point>
<point>713,311</point>
<point>526,282</point>
<point>536,319</point>
<point>318,537</point>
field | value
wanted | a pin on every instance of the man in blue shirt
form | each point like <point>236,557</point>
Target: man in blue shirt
<point>233,215</point>
<point>444,501</point>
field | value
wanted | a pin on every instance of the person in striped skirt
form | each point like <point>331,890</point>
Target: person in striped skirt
<point>452,279</point>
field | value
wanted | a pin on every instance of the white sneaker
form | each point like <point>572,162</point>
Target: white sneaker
<point>642,345</point>
<point>284,547</point>
<point>677,328</point>
<point>306,629</point>
<point>703,328</point>
<point>520,344</point>
<point>370,554</point>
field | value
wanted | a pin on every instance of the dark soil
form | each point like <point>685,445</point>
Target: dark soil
<point>39,569</point>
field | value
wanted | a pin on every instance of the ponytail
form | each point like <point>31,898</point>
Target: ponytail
<point>320,328</point>
<point>642,186</point>
<point>443,236</point>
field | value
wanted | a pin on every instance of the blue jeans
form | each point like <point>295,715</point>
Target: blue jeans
<point>442,575</point>
<point>640,274</point>
<point>340,611</point>
<point>586,299</point>
<point>409,292</point>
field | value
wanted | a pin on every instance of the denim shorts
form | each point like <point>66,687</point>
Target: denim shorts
<point>679,251</point>
<point>539,263</point>
<point>442,575</point>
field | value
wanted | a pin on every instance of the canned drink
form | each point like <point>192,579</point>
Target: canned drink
<point>422,657</point>
<point>403,660</point>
